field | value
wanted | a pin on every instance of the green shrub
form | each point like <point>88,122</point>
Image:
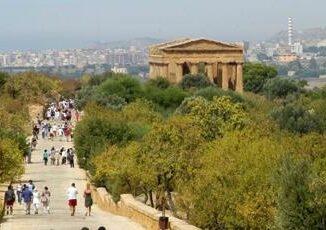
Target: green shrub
<point>195,81</point>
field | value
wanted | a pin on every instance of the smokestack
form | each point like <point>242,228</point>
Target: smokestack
<point>290,30</point>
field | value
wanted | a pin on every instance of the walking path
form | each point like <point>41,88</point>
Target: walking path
<point>58,179</point>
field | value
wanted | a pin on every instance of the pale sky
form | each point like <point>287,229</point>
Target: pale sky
<point>39,24</point>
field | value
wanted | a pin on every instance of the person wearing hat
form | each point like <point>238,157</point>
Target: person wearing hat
<point>36,200</point>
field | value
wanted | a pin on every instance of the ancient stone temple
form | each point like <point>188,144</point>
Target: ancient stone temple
<point>221,62</point>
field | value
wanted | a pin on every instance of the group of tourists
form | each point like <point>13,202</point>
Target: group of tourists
<point>57,123</point>
<point>60,110</point>
<point>59,157</point>
<point>30,196</point>
<point>72,199</point>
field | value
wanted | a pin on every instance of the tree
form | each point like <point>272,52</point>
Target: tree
<point>298,119</point>
<point>255,76</point>
<point>280,88</point>
<point>11,159</point>
<point>295,66</point>
<point>160,82</point>
<point>232,186</point>
<point>32,87</point>
<point>3,79</point>
<point>210,92</point>
<point>195,81</point>
<point>313,64</point>
<point>293,179</point>
<point>125,87</point>
<point>99,128</point>
<point>214,117</point>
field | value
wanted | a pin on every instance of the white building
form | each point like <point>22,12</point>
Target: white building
<point>297,48</point>
<point>119,70</point>
<point>322,43</point>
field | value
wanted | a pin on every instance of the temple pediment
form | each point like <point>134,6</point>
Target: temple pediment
<point>195,45</point>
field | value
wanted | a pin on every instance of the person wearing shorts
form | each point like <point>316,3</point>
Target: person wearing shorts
<point>72,198</point>
<point>10,199</point>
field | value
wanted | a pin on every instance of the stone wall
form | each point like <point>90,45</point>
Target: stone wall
<point>136,211</point>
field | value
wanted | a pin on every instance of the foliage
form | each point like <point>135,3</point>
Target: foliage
<point>195,81</point>
<point>233,188</point>
<point>170,97</point>
<point>280,87</point>
<point>124,87</point>
<point>298,119</point>
<point>214,117</point>
<point>18,137</point>
<point>113,102</point>
<point>84,96</point>
<point>99,129</point>
<point>210,92</point>
<point>160,82</point>
<point>256,75</point>
<point>3,79</point>
<point>32,87</point>
<point>301,201</point>
<point>11,159</point>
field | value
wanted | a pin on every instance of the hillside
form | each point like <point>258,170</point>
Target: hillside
<point>306,34</point>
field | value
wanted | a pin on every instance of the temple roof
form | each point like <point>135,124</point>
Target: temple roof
<point>197,44</point>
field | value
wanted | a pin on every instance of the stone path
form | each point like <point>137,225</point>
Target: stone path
<point>58,179</point>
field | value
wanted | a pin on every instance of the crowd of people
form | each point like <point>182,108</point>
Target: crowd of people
<point>56,125</point>
<point>29,196</point>
<point>59,157</point>
<point>32,198</point>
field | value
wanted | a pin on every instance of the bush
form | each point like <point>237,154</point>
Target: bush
<point>170,97</point>
<point>280,88</point>
<point>255,76</point>
<point>125,87</point>
<point>298,119</point>
<point>195,81</point>
<point>210,92</point>
<point>160,82</point>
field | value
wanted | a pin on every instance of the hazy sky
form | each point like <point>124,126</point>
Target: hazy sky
<point>38,24</point>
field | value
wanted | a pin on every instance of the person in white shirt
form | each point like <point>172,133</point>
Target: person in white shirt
<point>64,157</point>
<point>72,198</point>
<point>36,200</point>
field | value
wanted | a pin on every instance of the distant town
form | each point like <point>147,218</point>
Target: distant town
<point>300,54</point>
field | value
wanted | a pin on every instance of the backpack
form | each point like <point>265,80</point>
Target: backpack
<point>10,196</point>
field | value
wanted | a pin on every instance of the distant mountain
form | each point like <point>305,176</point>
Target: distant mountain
<point>311,34</point>
<point>140,43</point>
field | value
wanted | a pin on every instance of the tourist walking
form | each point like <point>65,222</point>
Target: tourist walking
<point>64,156</point>
<point>72,198</point>
<point>45,157</point>
<point>10,200</point>
<point>27,197</point>
<point>88,199</point>
<point>57,158</point>
<point>30,186</point>
<point>19,191</point>
<point>36,200</point>
<point>52,156</point>
<point>71,158</point>
<point>46,200</point>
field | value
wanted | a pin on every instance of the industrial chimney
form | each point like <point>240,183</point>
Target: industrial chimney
<point>290,31</point>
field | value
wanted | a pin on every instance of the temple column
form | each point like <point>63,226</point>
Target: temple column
<point>239,78</point>
<point>225,76</point>
<point>164,71</point>
<point>179,73</point>
<point>210,73</point>
<point>193,68</point>
<point>151,71</point>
